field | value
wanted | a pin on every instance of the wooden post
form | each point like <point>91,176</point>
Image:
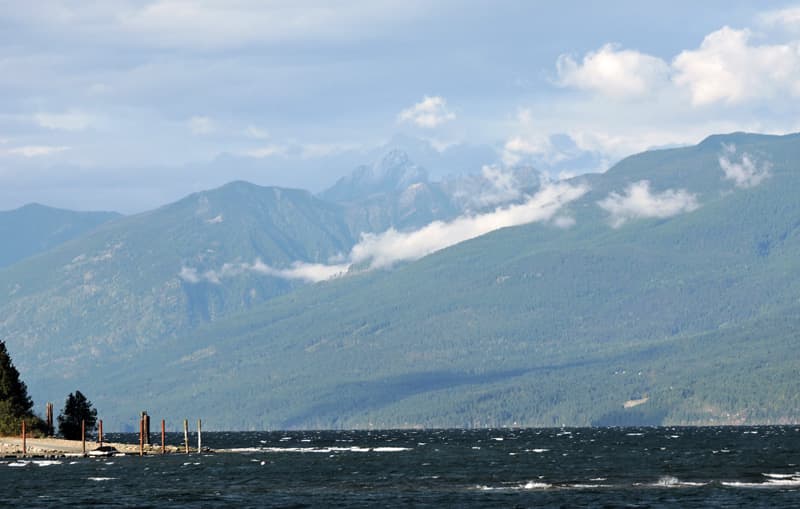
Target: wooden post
<point>199,436</point>
<point>163,432</point>
<point>24,439</point>
<point>48,411</point>
<point>186,434</point>
<point>83,435</point>
<point>100,433</point>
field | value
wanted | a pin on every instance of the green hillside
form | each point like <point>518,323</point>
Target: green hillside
<point>688,319</point>
<point>120,290</point>
<point>35,228</point>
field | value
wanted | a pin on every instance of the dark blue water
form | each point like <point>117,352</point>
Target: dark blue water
<point>629,467</point>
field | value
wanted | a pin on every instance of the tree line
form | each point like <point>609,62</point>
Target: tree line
<point>16,406</point>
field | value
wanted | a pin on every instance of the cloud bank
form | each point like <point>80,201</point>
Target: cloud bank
<point>748,172</point>
<point>639,202</point>
<point>377,251</point>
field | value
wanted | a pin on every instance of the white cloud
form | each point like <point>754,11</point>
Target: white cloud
<point>390,247</point>
<point>428,113</point>
<point>516,148</point>
<point>200,125</point>
<point>727,68</point>
<point>36,150</point>
<point>308,272</point>
<point>376,251</point>
<point>503,187</point>
<point>613,72</point>
<point>748,172</point>
<point>639,202</point>
<point>72,120</point>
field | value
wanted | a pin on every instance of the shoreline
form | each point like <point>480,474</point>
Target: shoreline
<point>11,447</point>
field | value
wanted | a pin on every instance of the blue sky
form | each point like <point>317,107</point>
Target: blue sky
<point>127,105</point>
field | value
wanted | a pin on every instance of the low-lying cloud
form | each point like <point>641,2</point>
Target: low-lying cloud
<point>308,272</point>
<point>377,251</point>
<point>639,202</point>
<point>748,172</point>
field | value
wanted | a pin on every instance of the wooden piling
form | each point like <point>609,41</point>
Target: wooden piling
<point>24,438</point>
<point>100,433</point>
<point>186,434</point>
<point>199,436</point>
<point>48,411</point>
<point>163,433</point>
<point>83,435</point>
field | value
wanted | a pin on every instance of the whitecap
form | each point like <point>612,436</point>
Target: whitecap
<point>47,463</point>
<point>673,482</point>
<point>19,464</point>
<point>100,479</point>
<point>780,476</point>
<point>531,485</point>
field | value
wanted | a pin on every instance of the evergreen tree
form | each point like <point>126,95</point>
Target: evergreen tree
<point>76,409</point>
<point>15,404</point>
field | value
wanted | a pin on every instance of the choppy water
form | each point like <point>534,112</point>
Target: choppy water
<point>627,467</point>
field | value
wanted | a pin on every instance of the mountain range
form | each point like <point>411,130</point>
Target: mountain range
<point>663,291</point>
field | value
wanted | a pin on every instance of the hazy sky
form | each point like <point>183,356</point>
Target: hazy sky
<point>128,104</point>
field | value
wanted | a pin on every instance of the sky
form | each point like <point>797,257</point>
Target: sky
<point>127,105</point>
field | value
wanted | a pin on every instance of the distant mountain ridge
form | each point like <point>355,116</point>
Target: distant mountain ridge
<point>35,228</point>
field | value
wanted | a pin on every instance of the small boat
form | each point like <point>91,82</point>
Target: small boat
<point>103,451</point>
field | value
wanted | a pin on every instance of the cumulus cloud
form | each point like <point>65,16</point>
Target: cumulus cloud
<point>748,172</point>
<point>72,120</point>
<point>376,251</point>
<point>200,125</point>
<point>728,68</point>
<point>639,202</point>
<point>428,113</point>
<point>613,72</point>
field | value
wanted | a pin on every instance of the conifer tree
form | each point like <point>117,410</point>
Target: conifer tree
<point>15,404</point>
<point>76,409</point>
